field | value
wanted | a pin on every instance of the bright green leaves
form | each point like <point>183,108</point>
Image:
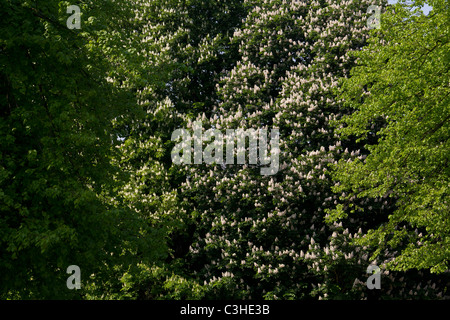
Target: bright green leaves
<point>405,104</point>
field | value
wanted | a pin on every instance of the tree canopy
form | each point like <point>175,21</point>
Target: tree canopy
<point>400,92</point>
<point>87,179</point>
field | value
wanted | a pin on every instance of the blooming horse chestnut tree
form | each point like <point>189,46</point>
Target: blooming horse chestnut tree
<point>259,236</point>
<point>266,236</point>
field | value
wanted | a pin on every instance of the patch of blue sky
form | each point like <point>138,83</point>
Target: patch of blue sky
<point>426,8</point>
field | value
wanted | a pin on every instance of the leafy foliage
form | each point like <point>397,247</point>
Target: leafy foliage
<point>86,175</point>
<point>57,179</point>
<point>400,91</point>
